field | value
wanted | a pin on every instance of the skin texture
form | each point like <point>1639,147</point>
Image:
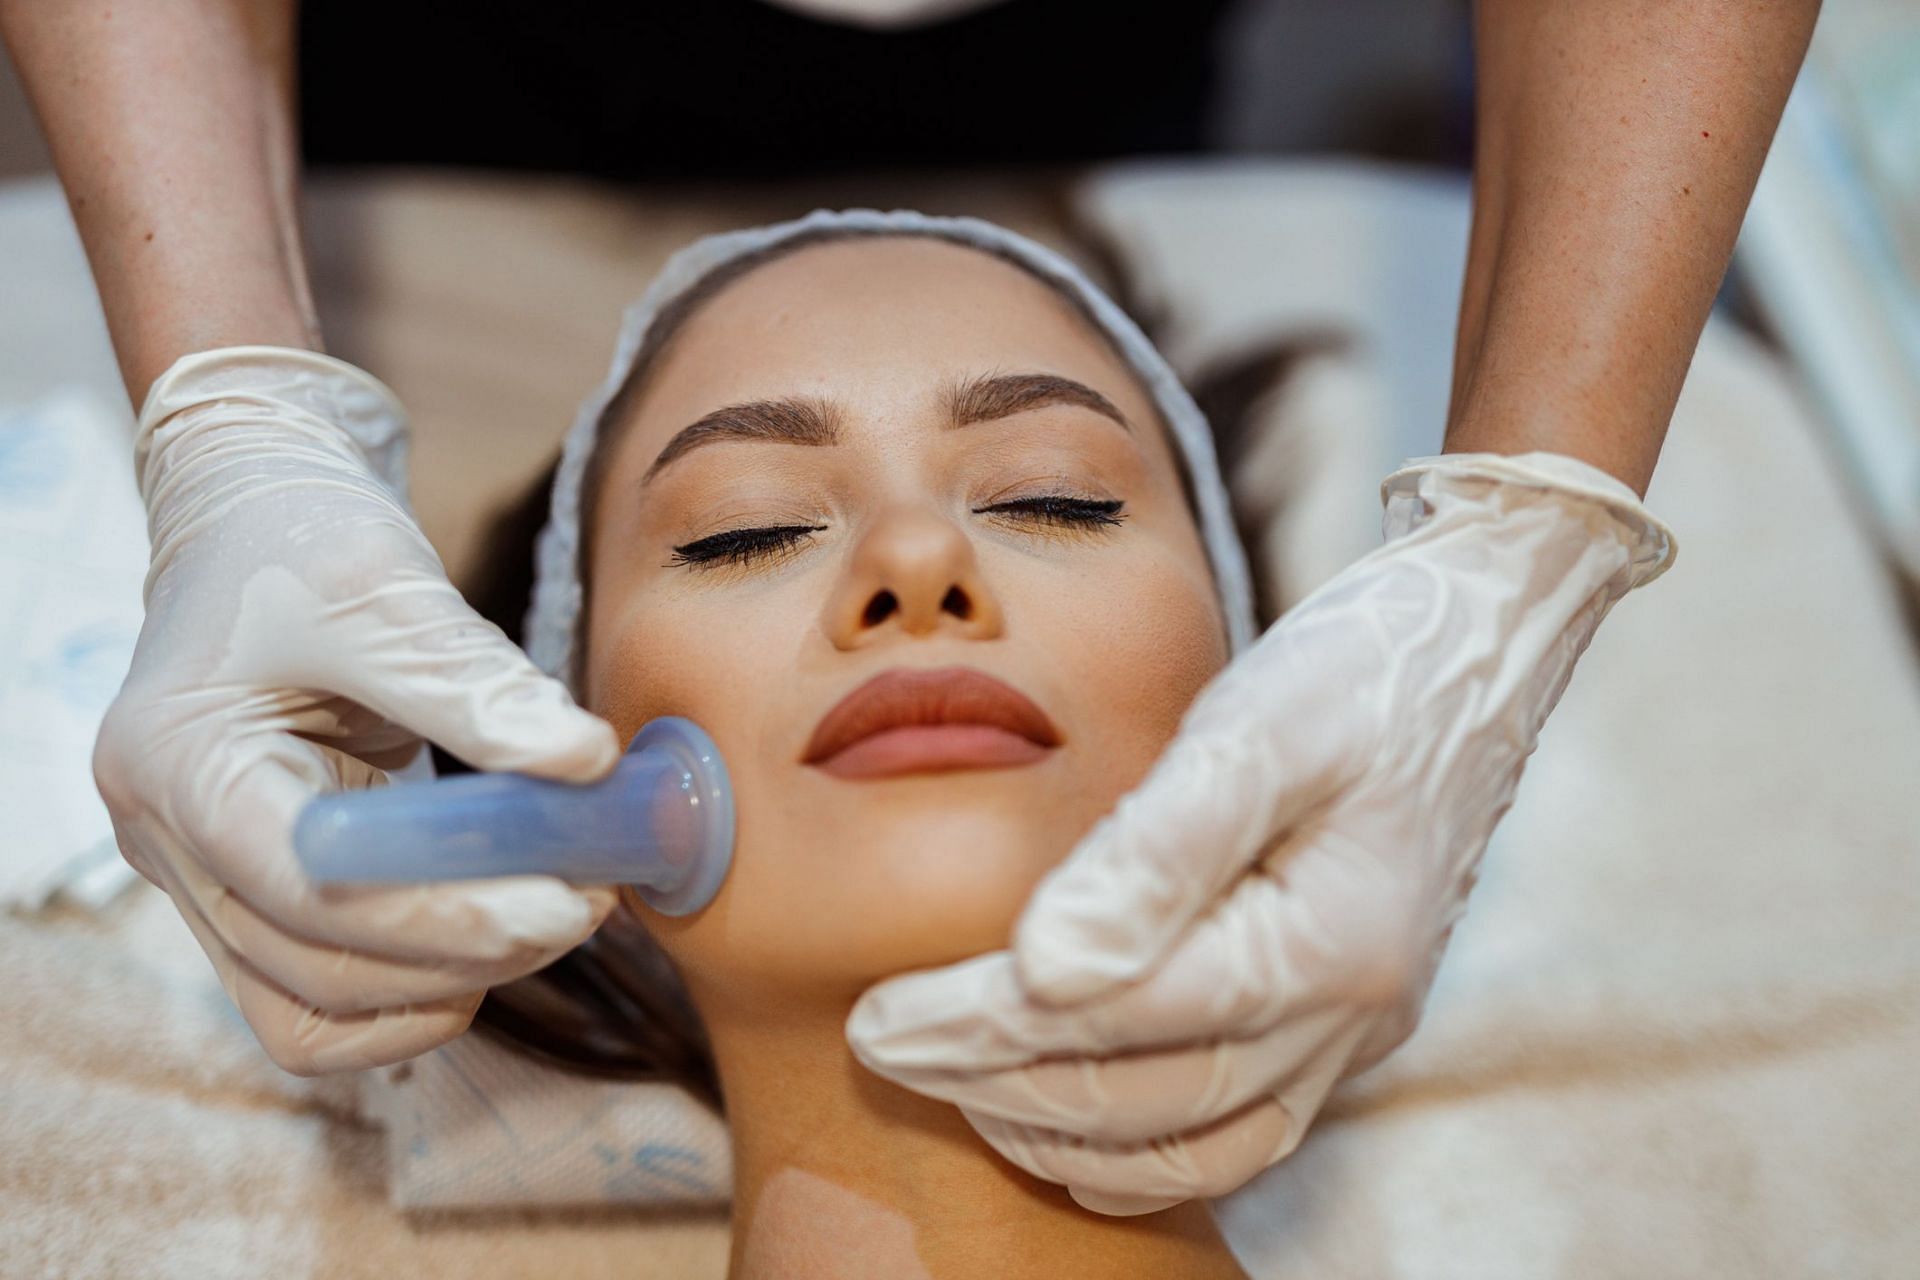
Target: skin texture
<point>172,127</point>
<point>836,882</point>
<point>1617,145</point>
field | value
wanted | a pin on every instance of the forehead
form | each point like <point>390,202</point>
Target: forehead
<point>874,320</point>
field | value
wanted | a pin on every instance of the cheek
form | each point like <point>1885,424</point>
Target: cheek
<point>1143,650</point>
<point>731,661</point>
<point>641,667</point>
<point>836,885</point>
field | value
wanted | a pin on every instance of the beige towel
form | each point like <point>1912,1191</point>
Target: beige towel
<point>144,1134</point>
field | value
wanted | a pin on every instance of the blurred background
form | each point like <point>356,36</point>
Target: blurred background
<point>576,102</point>
<point>1676,1033</point>
<point>1380,77</point>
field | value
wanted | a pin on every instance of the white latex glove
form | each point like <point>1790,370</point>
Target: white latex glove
<point>1263,915</point>
<point>301,636</point>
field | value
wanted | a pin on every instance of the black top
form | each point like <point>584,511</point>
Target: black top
<point>739,88</point>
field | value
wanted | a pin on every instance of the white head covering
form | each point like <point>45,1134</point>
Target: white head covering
<point>557,591</point>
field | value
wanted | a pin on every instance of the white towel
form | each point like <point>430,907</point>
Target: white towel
<point>477,1125</point>
<point>73,555</point>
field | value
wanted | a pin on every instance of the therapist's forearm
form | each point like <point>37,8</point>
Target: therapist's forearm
<point>1617,147</point>
<point>172,127</point>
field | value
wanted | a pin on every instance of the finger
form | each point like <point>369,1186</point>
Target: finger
<point>1139,1097</point>
<point>339,980</point>
<point>1121,1206</point>
<point>131,853</point>
<point>1252,763</point>
<point>307,1041</point>
<point>1236,973</point>
<point>238,829</point>
<point>1200,1164</point>
<point>973,1014</point>
<point>1330,934</point>
<point>408,647</point>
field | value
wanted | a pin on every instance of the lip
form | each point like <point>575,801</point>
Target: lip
<point>929,720</point>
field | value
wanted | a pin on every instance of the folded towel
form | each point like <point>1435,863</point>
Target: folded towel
<point>475,1124</point>
<point>143,1133</point>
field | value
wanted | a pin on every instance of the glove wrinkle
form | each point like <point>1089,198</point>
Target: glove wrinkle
<point>301,636</point>
<point>1264,914</point>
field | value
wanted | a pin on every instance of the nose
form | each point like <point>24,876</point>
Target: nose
<point>915,572</point>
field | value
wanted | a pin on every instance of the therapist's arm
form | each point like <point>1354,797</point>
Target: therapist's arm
<point>172,127</point>
<point>1617,147</point>
<point>301,635</point>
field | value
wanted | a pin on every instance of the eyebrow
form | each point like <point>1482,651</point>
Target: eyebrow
<point>812,421</point>
<point>1001,395</point>
<point>791,420</point>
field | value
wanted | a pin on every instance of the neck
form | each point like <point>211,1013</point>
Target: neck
<point>838,1172</point>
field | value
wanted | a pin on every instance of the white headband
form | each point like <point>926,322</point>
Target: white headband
<point>557,592</point>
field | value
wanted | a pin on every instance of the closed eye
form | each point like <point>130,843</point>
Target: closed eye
<point>1059,509</point>
<point>749,546</point>
<point>743,546</point>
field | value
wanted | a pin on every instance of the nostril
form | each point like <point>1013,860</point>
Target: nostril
<point>879,609</point>
<point>956,603</point>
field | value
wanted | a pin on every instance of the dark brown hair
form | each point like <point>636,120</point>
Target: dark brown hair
<point>613,1006</point>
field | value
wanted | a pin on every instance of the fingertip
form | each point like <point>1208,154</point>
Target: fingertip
<point>540,912</point>
<point>866,1036</point>
<point>557,740</point>
<point>1117,1205</point>
<point>966,1017</point>
<point>596,750</point>
<point>898,1024</point>
<point>866,1025</point>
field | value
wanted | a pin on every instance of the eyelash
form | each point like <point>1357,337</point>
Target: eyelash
<point>745,546</point>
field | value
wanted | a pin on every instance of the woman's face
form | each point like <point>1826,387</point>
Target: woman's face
<point>900,458</point>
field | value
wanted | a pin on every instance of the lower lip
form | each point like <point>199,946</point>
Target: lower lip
<point>932,748</point>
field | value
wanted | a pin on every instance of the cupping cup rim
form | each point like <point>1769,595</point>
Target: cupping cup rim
<point>697,752</point>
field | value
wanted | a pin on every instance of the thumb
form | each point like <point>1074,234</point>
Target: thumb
<point>414,652</point>
<point>1226,789</point>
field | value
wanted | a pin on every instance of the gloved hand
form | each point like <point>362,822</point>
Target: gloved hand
<point>301,636</point>
<point>1263,915</point>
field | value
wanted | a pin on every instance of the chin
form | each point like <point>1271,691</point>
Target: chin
<point>873,886</point>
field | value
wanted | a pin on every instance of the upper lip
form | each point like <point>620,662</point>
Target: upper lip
<point>905,697</point>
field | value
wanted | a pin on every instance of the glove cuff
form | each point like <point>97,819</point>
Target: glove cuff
<point>283,380</point>
<point>1650,542</point>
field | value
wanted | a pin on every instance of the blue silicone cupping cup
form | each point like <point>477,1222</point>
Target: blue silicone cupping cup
<point>662,822</point>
